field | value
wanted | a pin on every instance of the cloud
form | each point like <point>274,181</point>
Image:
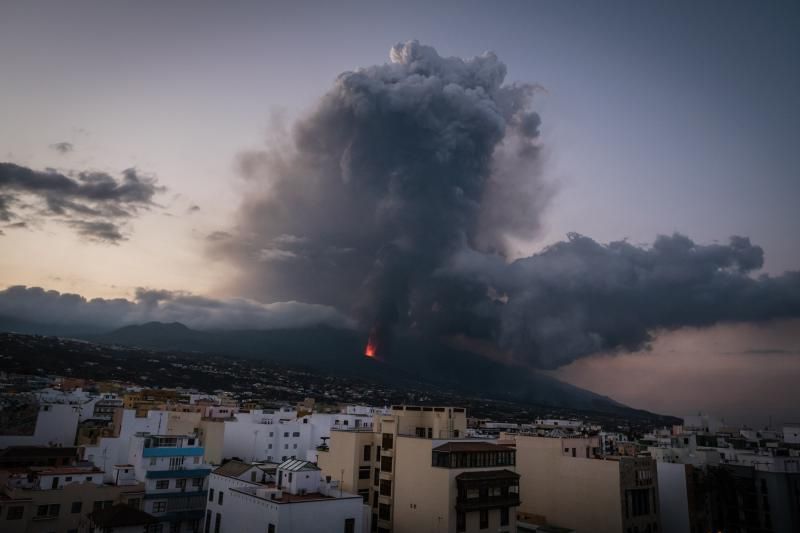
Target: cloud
<point>63,147</point>
<point>38,305</point>
<point>396,199</point>
<point>580,297</point>
<point>98,231</point>
<point>92,203</point>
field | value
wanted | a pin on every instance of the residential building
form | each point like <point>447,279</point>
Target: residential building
<point>174,474</point>
<point>419,473</point>
<point>290,497</point>
<point>565,482</point>
<point>41,499</point>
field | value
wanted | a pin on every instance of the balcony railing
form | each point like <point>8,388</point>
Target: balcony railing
<point>493,502</point>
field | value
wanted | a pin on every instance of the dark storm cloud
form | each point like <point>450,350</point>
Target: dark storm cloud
<point>93,203</point>
<point>398,196</point>
<point>53,308</point>
<point>63,147</point>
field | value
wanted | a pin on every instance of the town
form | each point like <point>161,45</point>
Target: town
<point>82,455</point>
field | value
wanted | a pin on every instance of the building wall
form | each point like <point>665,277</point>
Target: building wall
<point>212,436</point>
<point>423,500</point>
<point>239,512</point>
<point>344,458</point>
<point>85,493</point>
<point>578,493</point>
<point>56,424</point>
<point>673,498</point>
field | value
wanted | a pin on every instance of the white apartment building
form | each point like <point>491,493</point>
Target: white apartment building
<point>290,497</point>
<point>174,474</point>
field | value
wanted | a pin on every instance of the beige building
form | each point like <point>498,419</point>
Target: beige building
<point>564,483</point>
<point>43,499</point>
<point>211,433</point>
<point>419,474</point>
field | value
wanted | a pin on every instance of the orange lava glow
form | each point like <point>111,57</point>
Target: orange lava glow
<point>371,349</point>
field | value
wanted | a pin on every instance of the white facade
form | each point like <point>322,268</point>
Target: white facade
<point>304,503</point>
<point>791,434</point>
<point>56,425</point>
<point>260,436</point>
<point>112,451</point>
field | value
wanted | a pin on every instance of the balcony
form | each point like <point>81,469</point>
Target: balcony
<point>172,452</point>
<point>496,502</point>
<point>487,489</point>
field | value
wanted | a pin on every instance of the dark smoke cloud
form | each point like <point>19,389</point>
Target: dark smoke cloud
<point>35,304</point>
<point>397,199</point>
<point>63,147</point>
<point>93,203</point>
<point>397,168</point>
<point>580,297</point>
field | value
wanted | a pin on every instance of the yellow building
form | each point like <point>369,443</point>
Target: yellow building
<point>564,483</point>
<point>419,474</point>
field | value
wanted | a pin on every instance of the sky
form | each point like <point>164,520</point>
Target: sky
<point>656,118</point>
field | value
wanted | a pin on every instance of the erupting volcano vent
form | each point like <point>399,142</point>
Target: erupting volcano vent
<point>372,345</point>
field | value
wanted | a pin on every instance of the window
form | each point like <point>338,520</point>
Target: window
<point>180,483</point>
<point>51,510</point>
<point>504,516</point>
<point>285,433</point>
<point>377,453</point>
<point>15,513</point>
<point>349,525</point>
<point>159,507</point>
<point>461,522</point>
<point>270,528</point>
<point>285,446</point>
<point>296,434</point>
<point>269,446</point>
<point>162,484</point>
<point>364,493</point>
<point>208,521</point>
<point>135,502</point>
<point>219,497</point>
<point>374,500</point>
<point>295,446</point>
<point>197,482</point>
<point>387,441</point>
<point>376,477</point>
<point>386,487</point>
<point>211,495</point>
<point>217,521</point>
<point>153,461</point>
<point>367,452</point>
<point>76,507</point>
<point>384,511</point>
<point>484,519</point>
<point>386,464</point>
<point>363,472</point>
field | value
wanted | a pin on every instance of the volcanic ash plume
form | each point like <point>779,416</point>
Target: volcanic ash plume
<point>396,199</point>
<point>398,167</point>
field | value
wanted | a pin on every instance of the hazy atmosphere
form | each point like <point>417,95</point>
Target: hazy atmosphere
<point>551,186</point>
